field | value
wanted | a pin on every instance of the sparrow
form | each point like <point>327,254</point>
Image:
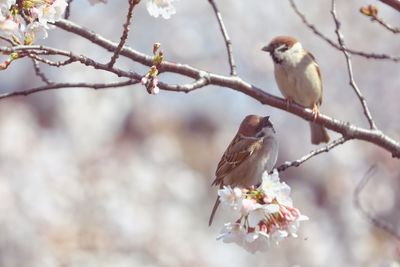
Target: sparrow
<point>253,150</point>
<point>299,79</point>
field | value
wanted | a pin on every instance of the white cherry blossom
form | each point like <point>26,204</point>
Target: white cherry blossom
<point>230,197</point>
<point>267,215</point>
<point>163,8</point>
<point>34,24</point>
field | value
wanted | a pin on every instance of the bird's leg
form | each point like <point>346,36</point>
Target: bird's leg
<point>315,111</point>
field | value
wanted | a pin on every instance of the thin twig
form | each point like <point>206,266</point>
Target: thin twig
<point>40,49</point>
<point>392,3</point>
<point>124,36</point>
<point>313,153</point>
<point>353,84</point>
<point>51,63</point>
<point>39,73</point>
<point>389,27</point>
<point>357,203</point>
<point>7,40</point>
<point>187,88</point>
<point>228,41</point>
<point>54,86</point>
<point>337,46</point>
<point>68,9</point>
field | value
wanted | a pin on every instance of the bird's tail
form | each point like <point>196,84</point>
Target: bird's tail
<point>318,134</point>
<point>213,211</point>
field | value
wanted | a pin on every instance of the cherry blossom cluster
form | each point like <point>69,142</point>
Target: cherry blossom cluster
<point>266,214</point>
<point>150,79</point>
<point>163,8</point>
<point>24,21</point>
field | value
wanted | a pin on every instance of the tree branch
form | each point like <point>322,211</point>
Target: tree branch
<point>224,32</point>
<point>312,154</point>
<point>389,27</point>
<point>68,9</point>
<point>49,62</point>
<point>348,130</point>
<point>43,50</point>
<point>124,36</point>
<point>392,3</point>
<point>357,203</point>
<point>7,40</point>
<point>353,84</point>
<point>335,45</point>
<point>39,73</point>
<point>186,88</point>
<point>54,86</point>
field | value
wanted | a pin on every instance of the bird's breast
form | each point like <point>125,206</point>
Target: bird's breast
<point>299,82</point>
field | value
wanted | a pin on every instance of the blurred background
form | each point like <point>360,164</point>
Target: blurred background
<point>121,178</point>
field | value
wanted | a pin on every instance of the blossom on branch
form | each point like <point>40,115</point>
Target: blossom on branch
<point>8,27</point>
<point>266,214</point>
<point>26,20</point>
<point>163,8</point>
<point>150,79</point>
<point>51,13</point>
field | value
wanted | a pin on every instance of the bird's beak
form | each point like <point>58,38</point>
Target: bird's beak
<point>268,122</point>
<point>266,48</point>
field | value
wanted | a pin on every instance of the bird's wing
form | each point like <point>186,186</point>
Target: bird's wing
<point>319,75</point>
<point>239,150</point>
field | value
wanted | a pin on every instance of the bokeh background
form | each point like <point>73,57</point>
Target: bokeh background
<point>120,178</point>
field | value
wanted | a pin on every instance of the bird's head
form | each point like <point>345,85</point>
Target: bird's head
<point>256,126</point>
<point>282,47</point>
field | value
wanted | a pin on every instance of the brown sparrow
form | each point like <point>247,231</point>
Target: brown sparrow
<point>299,78</point>
<point>252,151</point>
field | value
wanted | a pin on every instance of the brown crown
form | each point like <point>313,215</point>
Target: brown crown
<point>252,124</point>
<point>280,40</point>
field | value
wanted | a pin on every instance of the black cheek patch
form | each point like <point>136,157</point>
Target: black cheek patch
<point>260,134</point>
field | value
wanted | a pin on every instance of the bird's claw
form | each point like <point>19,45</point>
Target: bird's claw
<point>289,101</point>
<point>315,111</point>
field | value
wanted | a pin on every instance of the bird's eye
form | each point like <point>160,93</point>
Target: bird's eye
<point>282,48</point>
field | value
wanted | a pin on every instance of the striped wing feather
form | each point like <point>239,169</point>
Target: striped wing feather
<point>237,152</point>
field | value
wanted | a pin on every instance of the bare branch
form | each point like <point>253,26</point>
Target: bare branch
<point>313,153</point>
<point>68,9</point>
<point>124,36</point>
<point>357,203</point>
<point>374,17</point>
<point>346,129</point>
<point>39,49</point>
<point>187,88</point>
<point>389,27</point>
<point>54,86</point>
<point>392,3</point>
<point>39,73</point>
<point>7,40</point>
<point>353,84</point>
<point>49,62</point>
<point>337,46</point>
<point>224,32</point>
